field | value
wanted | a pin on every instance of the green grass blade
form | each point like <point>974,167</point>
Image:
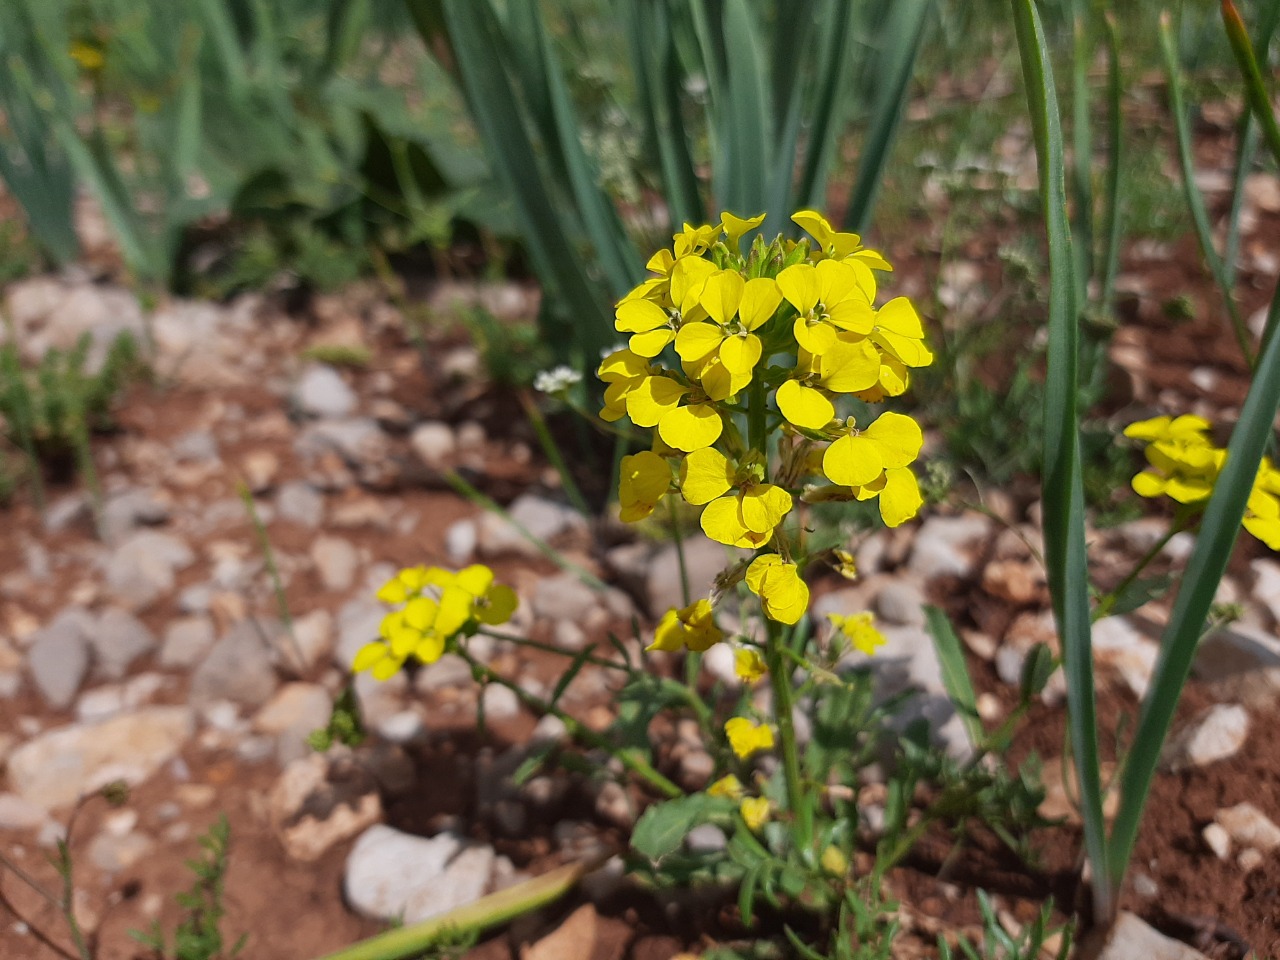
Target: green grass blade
<point>955,672</point>
<point>1195,202</point>
<point>1254,88</point>
<point>904,35</point>
<point>587,324</point>
<point>1218,532</point>
<point>1115,164</point>
<point>1081,153</point>
<point>831,75</point>
<point>1062,488</point>
<point>746,118</point>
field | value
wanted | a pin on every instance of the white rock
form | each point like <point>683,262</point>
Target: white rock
<point>321,392</point>
<point>434,443</point>
<point>311,812</point>
<point>545,519</point>
<point>1249,827</point>
<point>17,813</point>
<point>295,708</point>
<point>1217,839</point>
<point>1218,735</point>
<point>1118,643</point>
<point>53,769</point>
<point>394,875</point>
<point>336,561</point>
<point>143,568</point>
<point>312,641</point>
<point>1131,938</point>
<point>500,703</point>
<point>460,541</point>
<point>563,596</point>
<point>118,639</point>
<point>299,503</point>
<point>1266,585</point>
<point>58,657</point>
<point>901,601</point>
<point>238,667</point>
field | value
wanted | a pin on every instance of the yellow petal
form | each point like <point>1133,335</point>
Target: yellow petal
<point>760,300</point>
<point>900,499</point>
<point>852,461</point>
<point>721,295</point>
<point>691,427</point>
<point>799,284</point>
<point>899,316</point>
<point>897,437</point>
<point>735,227</point>
<point>368,655</point>
<point>816,225</point>
<point>1148,484</point>
<point>740,354</point>
<point>849,365</point>
<point>704,475</point>
<point>652,399</point>
<point>696,340</point>
<point>763,506</point>
<point>687,279</point>
<point>720,522</point>
<point>636,316</point>
<point>816,336</point>
<point>652,342</point>
<point>500,603</point>
<point>804,406</point>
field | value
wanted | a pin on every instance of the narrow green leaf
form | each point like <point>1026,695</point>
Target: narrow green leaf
<point>1115,159</point>
<point>1081,153</point>
<point>895,65</point>
<point>955,672</point>
<point>1195,201</point>
<point>746,121</point>
<point>1062,487</point>
<point>1254,88</point>
<point>1218,531</point>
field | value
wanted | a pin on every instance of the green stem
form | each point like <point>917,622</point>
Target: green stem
<point>551,648</point>
<point>630,759</point>
<point>1181,521</point>
<point>780,678</point>
<point>552,451</point>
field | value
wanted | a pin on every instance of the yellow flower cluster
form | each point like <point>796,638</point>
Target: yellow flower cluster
<point>780,333</point>
<point>434,606</point>
<point>1184,465</point>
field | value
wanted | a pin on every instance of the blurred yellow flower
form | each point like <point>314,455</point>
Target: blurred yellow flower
<point>693,627</point>
<point>747,737</point>
<point>859,629</point>
<point>755,812</point>
<point>784,597</point>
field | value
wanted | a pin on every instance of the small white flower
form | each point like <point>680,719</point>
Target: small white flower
<point>556,380</point>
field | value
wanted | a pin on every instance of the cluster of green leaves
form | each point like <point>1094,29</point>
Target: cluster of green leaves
<point>275,114</point>
<point>1031,943</point>
<point>198,936</point>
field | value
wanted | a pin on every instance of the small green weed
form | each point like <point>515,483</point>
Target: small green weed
<point>1034,941</point>
<point>339,355</point>
<point>198,936</point>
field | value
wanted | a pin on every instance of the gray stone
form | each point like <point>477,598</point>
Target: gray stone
<point>460,541</point>
<point>567,635</point>
<point>500,703</point>
<point>901,602</point>
<point>186,641</point>
<point>336,561</point>
<point>312,641</point>
<point>238,668</point>
<point>358,440</point>
<point>54,768</point>
<point>547,520</point>
<point>358,624</point>
<point>1131,937</point>
<point>704,560</point>
<point>434,443</point>
<point>197,445</point>
<point>705,838</point>
<point>17,813</point>
<point>49,313</point>
<point>321,392</point>
<point>298,503</point>
<point>563,596</point>
<point>123,513</point>
<point>296,710</point>
<point>106,701</point>
<point>1119,644</point>
<point>118,639</point>
<point>947,546</point>
<point>143,567</point>
<point>315,804</point>
<point>112,853</point>
<point>58,658</point>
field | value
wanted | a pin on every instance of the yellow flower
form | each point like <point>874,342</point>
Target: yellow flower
<point>695,241</point>
<point>736,227</point>
<point>899,332</point>
<point>784,597</point>
<point>755,812</point>
<point>745,517</point>
<point>623,371</point>
<point>838,245</point>
<point>847,366</point>
<point>645,478</point>
<point>728,786</point>
<point>749,665</point>
<point>656,402</point>
<point>842,562</point>
<point>899,494</point>
<point>735,308</point>
<point>832,296</point>
<point>747,737</point>
<point>859,629</point>
<point>860,457</point>
<point>834,861</point>
<point>693,627</point>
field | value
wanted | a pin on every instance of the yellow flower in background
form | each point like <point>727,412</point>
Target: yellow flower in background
<point>747,737</point>
<point>438,605</point>
<point>860,630</point>
<point>755,812</point>
<point>693,626</point>
<point>694,241</point>
<point>749,665</point>
<point>644,478</point>
<point>784,597</point>
<point>834,861</point>
<point>727,786</point>
<point>860,457</point>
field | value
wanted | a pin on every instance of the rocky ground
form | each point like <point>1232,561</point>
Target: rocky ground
<point>148,645</point>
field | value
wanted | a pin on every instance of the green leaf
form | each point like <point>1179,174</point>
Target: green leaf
<point>1141,591</point>
<point>955,672</point>
<point>663,826</point>
<point>1062,484</point>
<point>1037,668</point>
